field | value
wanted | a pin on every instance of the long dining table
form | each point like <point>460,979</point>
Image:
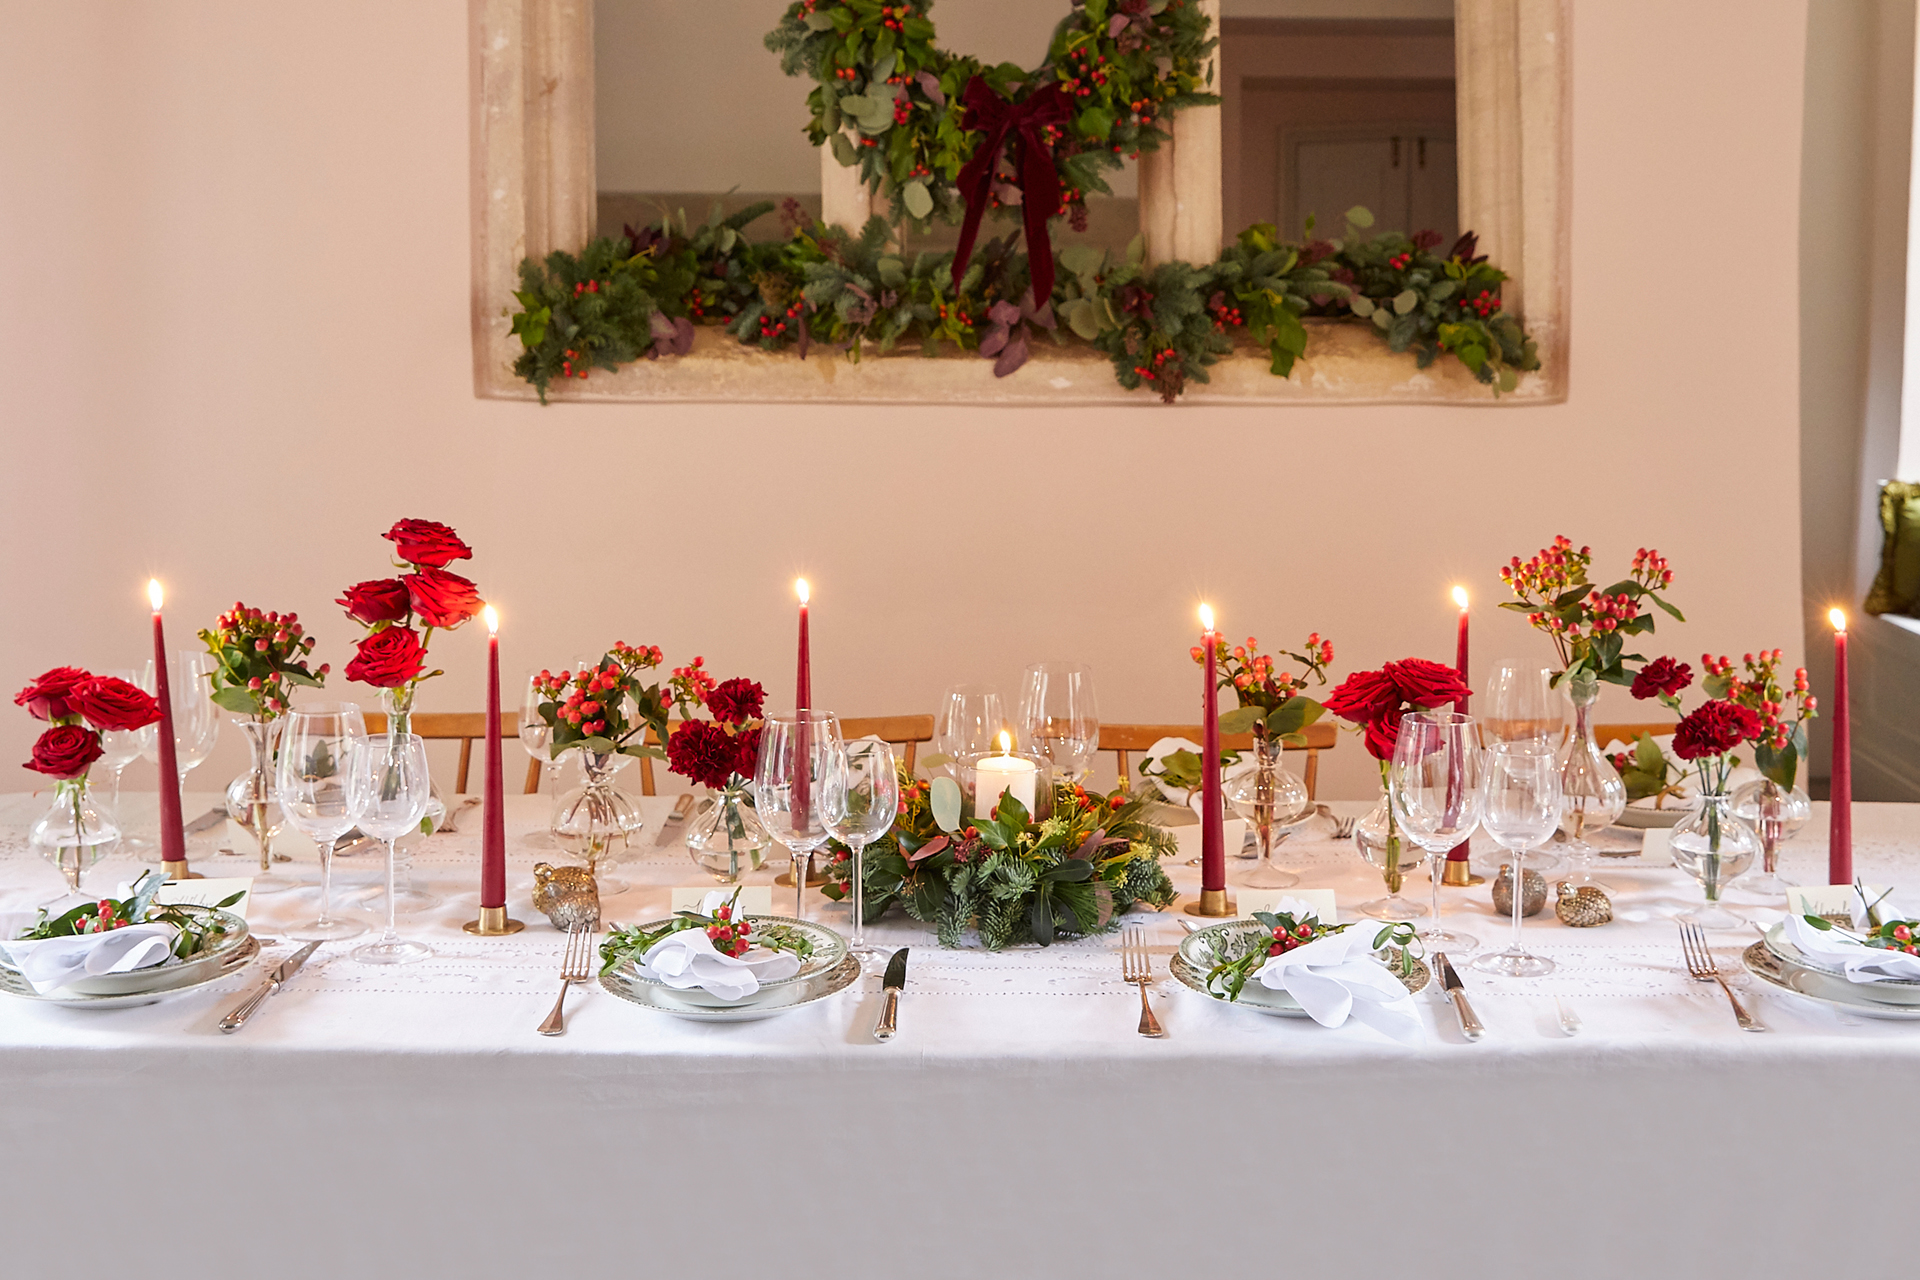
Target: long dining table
<point>408,1120</point>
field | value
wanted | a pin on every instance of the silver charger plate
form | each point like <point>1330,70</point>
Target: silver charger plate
<point>231,961</point>
<point>1886,991</point>
<point>789,996</point>
<point>1197,953</point>
<point>1810,984</point>
<point>829,950</point>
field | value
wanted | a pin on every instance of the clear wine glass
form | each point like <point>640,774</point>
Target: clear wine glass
<point>796,755</point>
<point>311,780</point>
<point>196,721</point>
<point>860,801</point>
<point>1059,717</point>
<point>1520,705</point>
<point>536,735</point>
<point>388,785</point>
<point>1520,809</point>
<point>968,724</point>
<point>118,749</point>
<point>1434,784</point>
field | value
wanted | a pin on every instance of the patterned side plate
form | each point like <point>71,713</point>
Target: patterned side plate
<point>829,950</point>
<point>1797,979</point>
<point>229,960</point>
<point>1200,951</point>
<point>626,984</point>
<point>1887,991</point>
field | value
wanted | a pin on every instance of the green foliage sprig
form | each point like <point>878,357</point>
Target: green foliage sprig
<point>256,657</point>
<point>1244,953</point>
<point>199,927</point>
<point>729,930</point>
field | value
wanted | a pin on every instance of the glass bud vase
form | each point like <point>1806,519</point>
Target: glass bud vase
<point>398,704</point>
<point>728,839</point>
<point>1714,846</point>
<point>76,830</point>
<point>251,802</point>
<point>1381,844</point>
<point>1774,813</point>
<point>594,822</point>
<point>1267,796</point>
<point>1592,795</point>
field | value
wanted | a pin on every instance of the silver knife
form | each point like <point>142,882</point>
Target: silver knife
<point>895,980</point>
<point>1456,993</point>
<point>206,821</point>
<point>668,829</point>
<point>238,1015</point>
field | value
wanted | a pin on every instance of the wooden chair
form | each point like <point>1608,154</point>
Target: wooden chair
<point>901,731</point>
<point>1607,734</point>
<point>1124,739</point>
<point>467,727</point>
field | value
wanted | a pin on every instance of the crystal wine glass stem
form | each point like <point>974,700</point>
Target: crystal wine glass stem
<point>393,907</point>
<point>326,882</point>
<point>1519,892</point>
<point>858,932</point>
<point>1436,863</point>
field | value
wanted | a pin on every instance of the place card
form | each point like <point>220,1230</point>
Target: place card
<point>755,899</point>
<point>205,893</point>
<point>1321,900</point>
<point>1656,843</point>
<point>1832,901</point>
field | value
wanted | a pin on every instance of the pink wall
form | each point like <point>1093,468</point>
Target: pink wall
<point>234,246</point>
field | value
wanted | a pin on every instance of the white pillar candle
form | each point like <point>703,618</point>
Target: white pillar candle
<point>996,776</point>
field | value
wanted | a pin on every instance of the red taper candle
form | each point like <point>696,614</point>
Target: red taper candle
<point>1213,837</point>
<point>1459,852</point>
<point>173,831</point>
<point>1840,805</point>
<point>802,701</point>
<point>493,839</point>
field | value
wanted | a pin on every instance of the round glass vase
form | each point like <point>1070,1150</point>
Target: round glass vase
<point>1714,846</point>
<point>1774,813</point>
<point>1592,794</point>
<point>252,804</point>
<point>1378,838</point>
<point>728,840</point>
<point>593,823</point>
<point>76,830</point>
<point>1267,796</point>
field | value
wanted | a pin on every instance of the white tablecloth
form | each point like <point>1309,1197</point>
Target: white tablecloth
<point>409,1121</point>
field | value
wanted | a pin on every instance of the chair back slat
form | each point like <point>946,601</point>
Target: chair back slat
<point>1125,739</point>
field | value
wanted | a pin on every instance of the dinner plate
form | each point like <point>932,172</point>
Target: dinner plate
<point>1199,950</point>
<point>1886,991</point>
<point>1797,979</point>
<point>231,960</point>
<point>789,996</point>
<point>829,949</point>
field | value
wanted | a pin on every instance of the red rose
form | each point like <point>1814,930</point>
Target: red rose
<point>1662,675</point>
<point>736,701</point>
<point>1362,696</point>
<point>110,703</point>
<point>65,751</point>
<point>1714,729</point>
<point>50,697</point>
<point>442,599</point>
<point>424,543</point>
<point>382,600</point>
<point>387,659</point>
<point>1383,735</point>
<point>705,753</point>
<point>1427,684</point>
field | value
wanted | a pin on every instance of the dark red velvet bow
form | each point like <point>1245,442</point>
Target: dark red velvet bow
<point>1020,122</point>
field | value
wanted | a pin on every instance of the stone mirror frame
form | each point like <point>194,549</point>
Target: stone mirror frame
<point>534,190</point>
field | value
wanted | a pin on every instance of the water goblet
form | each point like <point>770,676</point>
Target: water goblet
<point>860,800</point>
<point>1520,809</point>
<point>536,735</point>
<point>796,755</point>
<point>1434,786</point>
<point>388,785</point>
<point>118,749</point>
<point>1059,718</point>
<point>1519,704</point>
<point>311,781</point>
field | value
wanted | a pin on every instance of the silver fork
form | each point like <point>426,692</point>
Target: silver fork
<point>1342,827</point>
<point>1700,966</point>
<point>1136,966</point>
<point>575,963</point>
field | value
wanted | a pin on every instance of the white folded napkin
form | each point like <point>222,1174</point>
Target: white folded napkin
<point>689,959</point>
<point>1860,962</point>
<point>52,963</point>
<point>1336,977</point>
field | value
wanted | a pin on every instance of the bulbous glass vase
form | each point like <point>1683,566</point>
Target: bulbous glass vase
<point>1714,846</point>
<point>76,830</point>
<point>728,840</point>
<point>1775,813</point>
<point>594,823</point>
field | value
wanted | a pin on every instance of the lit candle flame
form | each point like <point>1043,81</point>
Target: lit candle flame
<point>1460,597</point>
<point>154,593</point>
<point>492,619</point>
<point>1206,617</point>
<point>1838,619</point>
<point>1006,743</point>
<point>800,587</point>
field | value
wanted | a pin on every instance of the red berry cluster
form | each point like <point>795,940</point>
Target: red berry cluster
<point>902,108</point>
<point>893,17</point>
<point>1153,370</point>
<point>1650,569</point>
<point>729,936</point>
<point>691,683</point>
<point>1895,935</point>
<point>957,313</point>
<point>1485,303</point>
<point>566,365</point>
<point>1760,692</point>
<point>1399,261</point>
<point>1083,74</point>
<point>1225,314</point>
<point>584,705</point>
<point>105,919</point>
<point>1285,940</point>
<point>845,73</point>
<point>770,328</point>
<point>279,636</point>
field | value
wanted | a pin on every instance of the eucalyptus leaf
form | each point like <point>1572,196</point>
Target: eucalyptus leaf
<point>1405,301</point>
<point>944,796</point>
<point>918,201</point>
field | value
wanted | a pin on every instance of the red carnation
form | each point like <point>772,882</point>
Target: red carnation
<point>110,703</point>
<point>1714,729</point>
<point>703,752</point>
<point>381,600</point>
<point>387,659</point>
<point>747,744</point>
<point>427,544</point>
<point>736,701</point>
<point>442,599</point>
<point>50,696</point>
<point>1661,676</point>
<point>65,751</point>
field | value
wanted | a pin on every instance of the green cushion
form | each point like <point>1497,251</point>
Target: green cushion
<point>1896,588</point>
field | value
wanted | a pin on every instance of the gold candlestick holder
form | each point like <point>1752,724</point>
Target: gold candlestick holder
<point>1459,874</point>
<point>178,870</point>
<point>493,923</point>
<point>1213,903</point>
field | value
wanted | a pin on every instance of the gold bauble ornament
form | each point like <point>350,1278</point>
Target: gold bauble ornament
<point>1533,897</point>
